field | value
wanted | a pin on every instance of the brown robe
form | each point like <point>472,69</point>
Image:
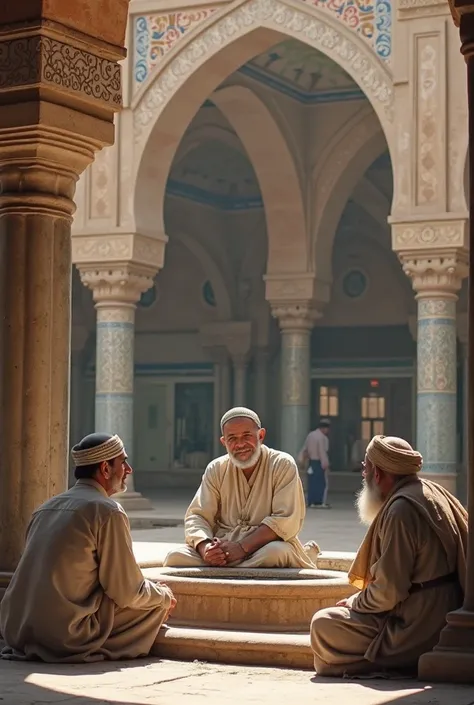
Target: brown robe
<point>229,506</point>
<point>419,534</point>
<point>78,594</point>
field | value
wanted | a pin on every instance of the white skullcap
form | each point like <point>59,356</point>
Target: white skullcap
<point>240,412</point>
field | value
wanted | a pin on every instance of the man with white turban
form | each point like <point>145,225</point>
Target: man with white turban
<point>250,505</point>
<point>409,570</point>
<point>78,594</point>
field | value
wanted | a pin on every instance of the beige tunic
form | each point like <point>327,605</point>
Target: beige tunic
<point>78,594</point>
<point>228,506</point>
<point>384,625</point>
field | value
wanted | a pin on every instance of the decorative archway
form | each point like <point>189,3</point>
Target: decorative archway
<point>341,166</point>
<point>208,54</point>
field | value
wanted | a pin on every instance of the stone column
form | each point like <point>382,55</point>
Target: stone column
<point>452,659</point>
<point>462,328</point>
<point>116,291</point>
<point>261,382</point>
<point>60,88</point>
<point>240,363</point>
<point>296,322</point>
<point>436,279</point>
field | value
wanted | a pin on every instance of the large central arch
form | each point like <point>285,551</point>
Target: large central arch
<point>207,55</point>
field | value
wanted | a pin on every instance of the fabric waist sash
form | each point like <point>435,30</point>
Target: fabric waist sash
<point>442,580</point>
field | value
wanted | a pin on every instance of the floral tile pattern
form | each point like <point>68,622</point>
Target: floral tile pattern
<point>155,35</point>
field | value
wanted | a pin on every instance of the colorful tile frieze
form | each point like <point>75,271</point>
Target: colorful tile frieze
<point>372,19</point>
<point>155,35</point>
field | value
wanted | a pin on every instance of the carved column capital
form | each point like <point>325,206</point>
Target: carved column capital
<point>436,274</point>
<point>296,315</point>
<point>113,285</point>
<point>434,254</point>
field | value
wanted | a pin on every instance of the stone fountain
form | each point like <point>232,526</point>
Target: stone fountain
<point>253,616</point>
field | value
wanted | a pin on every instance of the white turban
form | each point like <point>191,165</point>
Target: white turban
<point>240,412</point>
<point>394,455</point>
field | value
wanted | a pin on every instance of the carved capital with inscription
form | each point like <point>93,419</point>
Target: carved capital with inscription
<point>116,285</point>
<point>118,247</point>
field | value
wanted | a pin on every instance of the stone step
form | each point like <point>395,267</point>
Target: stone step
<point>288,650</point>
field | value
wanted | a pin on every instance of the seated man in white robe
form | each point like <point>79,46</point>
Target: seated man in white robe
<point>409,570</point>
<point>78,594</point>
<point>249,508</point>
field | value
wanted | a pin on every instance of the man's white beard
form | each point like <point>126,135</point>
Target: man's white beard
<point>246,464</point>
<point>369,502</point>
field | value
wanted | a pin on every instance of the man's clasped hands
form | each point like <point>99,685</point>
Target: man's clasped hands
<point>218,552</point>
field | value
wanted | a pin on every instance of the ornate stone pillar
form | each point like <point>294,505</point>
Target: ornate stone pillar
<point>452,659</point>
<point>116,291</point>
<point>296,322</point>
<point>437,279</point>
<point>60,87</point>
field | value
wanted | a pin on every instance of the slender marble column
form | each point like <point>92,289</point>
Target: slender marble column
<point>296,323</point>
<point>115,294</point>
<point>261,382</point>
<point>437,383</point>
<point>115,371</point>
<point>240,380</point>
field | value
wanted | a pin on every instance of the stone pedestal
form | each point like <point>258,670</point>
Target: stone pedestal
<point>55,114</point>
<point>453,658</point>
<point>436,279</point>
<point>116,292</point>
<point>296,322</point>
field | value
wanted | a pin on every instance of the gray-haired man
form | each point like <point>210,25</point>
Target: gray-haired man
<point>250,505</point>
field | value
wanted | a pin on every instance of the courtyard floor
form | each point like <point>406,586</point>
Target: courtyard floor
<point>151,682</point>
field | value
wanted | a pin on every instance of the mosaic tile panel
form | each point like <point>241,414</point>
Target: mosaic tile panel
<point>115,347</point>
<point>155,35</point>
<point>436,374</point>
<point>114,414</point>
<point>436,437</point>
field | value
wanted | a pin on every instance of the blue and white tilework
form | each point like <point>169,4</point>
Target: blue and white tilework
<point>436,372</point>
<point>115,372</point>
<point>296,384</point>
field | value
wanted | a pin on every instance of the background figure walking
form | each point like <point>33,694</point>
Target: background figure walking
<point>314,455</point>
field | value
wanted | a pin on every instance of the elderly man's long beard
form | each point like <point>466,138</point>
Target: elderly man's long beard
<point>250,462</point>
<point>369,502</point>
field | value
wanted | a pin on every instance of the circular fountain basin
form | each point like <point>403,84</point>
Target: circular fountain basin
<point>252,599</point>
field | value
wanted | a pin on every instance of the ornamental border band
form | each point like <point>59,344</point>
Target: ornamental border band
<point>78,594</point>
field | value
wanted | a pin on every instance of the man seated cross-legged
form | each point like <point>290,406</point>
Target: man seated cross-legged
<point>249,508</point>
<point>78,594</point>
<point>410,569</point>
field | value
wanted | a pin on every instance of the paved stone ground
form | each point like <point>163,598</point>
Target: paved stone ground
<point>163,683</point>
<point>335,529</point>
